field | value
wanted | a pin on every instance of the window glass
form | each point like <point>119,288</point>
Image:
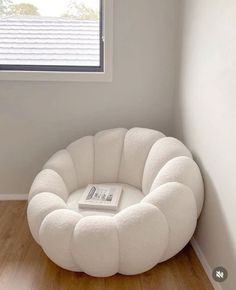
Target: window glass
<point>51,35</point>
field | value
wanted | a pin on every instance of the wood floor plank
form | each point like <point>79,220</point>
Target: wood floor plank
<point>122,282</point>
<point>24,266</point>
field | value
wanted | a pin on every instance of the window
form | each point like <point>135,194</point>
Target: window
<point>55,36</point>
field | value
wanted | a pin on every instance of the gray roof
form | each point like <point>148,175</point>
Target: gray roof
<point>49,41</point>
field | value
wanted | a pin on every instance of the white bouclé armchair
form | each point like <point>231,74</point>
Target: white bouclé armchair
<point>157,216</point>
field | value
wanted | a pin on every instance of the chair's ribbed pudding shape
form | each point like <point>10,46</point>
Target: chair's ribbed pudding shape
<point>161,201</point>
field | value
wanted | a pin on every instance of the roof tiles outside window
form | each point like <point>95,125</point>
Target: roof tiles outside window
<point>49,41</point>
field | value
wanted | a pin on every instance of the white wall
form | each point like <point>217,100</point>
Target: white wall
<point>36,119</point>
<point>206,118</point>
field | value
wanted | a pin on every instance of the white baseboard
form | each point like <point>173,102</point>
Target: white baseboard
<point>205,264</point>
<point>17,196</point>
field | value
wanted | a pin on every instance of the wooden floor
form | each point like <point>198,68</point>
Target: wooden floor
<point>24,266</point>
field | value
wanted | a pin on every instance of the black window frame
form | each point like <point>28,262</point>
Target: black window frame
<point>66,68</point>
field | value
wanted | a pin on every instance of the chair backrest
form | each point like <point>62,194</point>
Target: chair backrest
<point>132,156</point>
<point>140,157</point>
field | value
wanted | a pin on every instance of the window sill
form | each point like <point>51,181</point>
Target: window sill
<point>56,76</point>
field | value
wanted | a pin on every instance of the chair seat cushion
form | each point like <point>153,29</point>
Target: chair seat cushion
<point>130,195</point>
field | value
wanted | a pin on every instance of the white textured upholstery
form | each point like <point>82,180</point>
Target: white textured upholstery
<point>39,207</point>
<point>82,154</point>
<point>137,144</point>
<point>49,180</point>
<point>95,246</point>
<point>176,201</point>
<point>108,149</point>
<point>143,237</point>
<point>162,151</point>
<point>161,201</point>
<point>56,233</point>
<point>183,170</point>
<point>62,163</point>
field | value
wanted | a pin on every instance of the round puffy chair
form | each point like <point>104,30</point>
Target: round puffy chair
<point>158,211</point>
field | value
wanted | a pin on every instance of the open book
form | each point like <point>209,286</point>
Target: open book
<point>98,196</point>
